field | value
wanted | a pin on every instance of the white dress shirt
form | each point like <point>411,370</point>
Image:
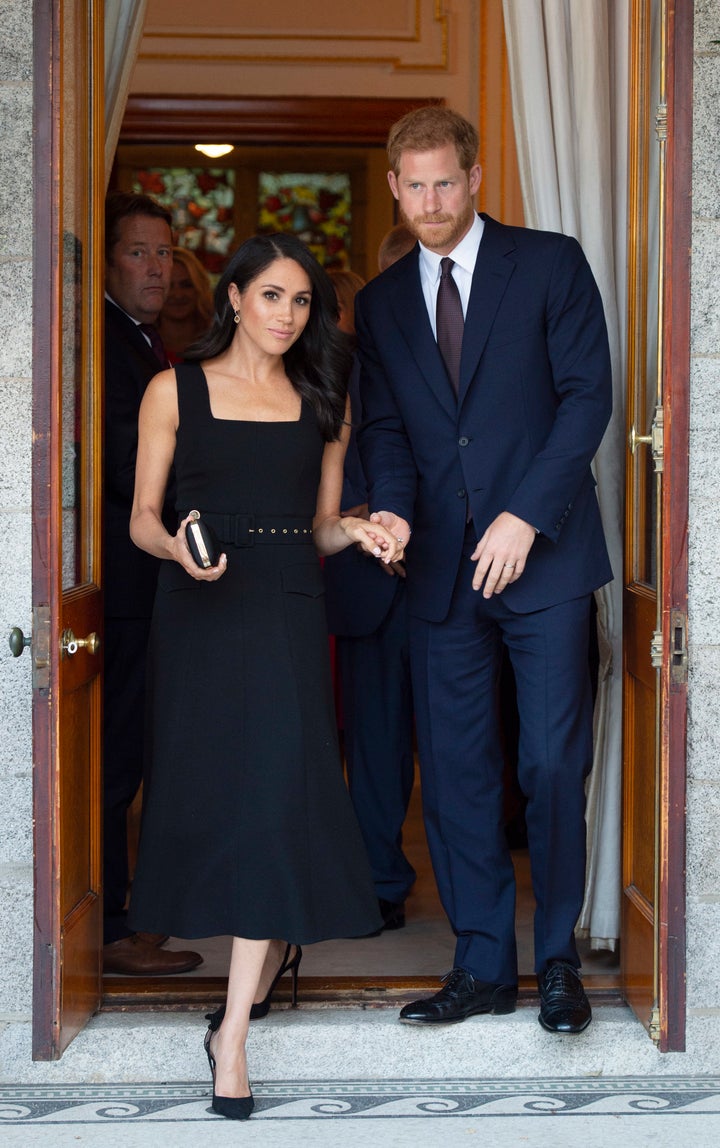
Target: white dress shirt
<point>464,256</point>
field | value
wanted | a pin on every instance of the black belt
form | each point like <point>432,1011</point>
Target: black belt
<point>247,530</point>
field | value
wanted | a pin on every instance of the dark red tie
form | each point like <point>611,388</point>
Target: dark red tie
<point>156,343</point>
<point>449,321</point>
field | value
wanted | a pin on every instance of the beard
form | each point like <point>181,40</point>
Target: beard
<point>446,230</point>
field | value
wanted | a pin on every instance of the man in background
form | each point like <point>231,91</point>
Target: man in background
<point>367,613</point>
<point>138,267</point>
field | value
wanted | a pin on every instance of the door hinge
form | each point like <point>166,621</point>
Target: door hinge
<point>654,1026</point>
<point>656,650</point>
<point>678,648</point>
<point>40,647</point>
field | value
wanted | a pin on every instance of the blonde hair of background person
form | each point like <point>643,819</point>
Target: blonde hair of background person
<point>346,284</point>
<point>188,310</point>
<point>398,241</point>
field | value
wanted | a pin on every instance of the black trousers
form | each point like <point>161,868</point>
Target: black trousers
<point>126,641</point>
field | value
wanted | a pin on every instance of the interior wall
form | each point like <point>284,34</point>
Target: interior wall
<point>446,49</point>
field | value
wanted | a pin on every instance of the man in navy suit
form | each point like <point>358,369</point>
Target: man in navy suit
<point>138,267</point>
<point>485,398</point>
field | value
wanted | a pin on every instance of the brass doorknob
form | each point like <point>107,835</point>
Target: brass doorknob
<point>70,644</point>
<point>18,641</point>
<point>636,439</point>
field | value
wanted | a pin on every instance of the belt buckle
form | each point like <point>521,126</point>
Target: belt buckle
<point>244,530</point>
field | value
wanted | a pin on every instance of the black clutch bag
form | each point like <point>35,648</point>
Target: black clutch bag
<point>202,541</point>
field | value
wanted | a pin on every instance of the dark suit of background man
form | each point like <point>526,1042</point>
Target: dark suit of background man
<point>367,611</point>
<point>491,469</point>
<point>138,266</point>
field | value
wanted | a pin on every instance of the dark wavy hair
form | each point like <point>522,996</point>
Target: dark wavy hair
<point>318,364</point>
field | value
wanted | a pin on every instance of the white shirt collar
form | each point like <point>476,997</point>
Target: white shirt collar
<point>464,255</point>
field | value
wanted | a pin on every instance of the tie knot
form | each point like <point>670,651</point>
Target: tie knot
<point>446,266</point>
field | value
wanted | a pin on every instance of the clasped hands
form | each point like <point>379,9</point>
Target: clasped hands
<point>376,536</point>
<point>500,554</point>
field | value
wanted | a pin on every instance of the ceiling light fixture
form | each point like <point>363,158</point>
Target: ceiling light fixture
<point>214,151</point>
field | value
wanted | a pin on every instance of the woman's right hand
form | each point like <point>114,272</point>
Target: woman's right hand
<point>180,552</point>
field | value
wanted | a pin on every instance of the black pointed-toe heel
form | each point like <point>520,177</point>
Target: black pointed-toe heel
<point>231,1107</point>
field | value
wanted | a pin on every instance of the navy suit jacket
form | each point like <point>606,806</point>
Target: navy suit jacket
<point>358,594</point>
<point>130,574</point>
<point>534,399</point>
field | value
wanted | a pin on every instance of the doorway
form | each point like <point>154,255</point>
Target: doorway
<point>679,51</point>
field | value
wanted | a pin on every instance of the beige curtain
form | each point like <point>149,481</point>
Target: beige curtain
<point>124,22</point>
<point>568,72</point>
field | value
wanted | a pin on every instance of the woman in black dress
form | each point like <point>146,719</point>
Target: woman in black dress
<point>247,826</point>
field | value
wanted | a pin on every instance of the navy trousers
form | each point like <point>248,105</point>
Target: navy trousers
<point>378,717</point>
<point>455,667</point>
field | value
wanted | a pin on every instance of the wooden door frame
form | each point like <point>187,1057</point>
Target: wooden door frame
<point>66,936</point>
<point>676,402</point>
<point>45,586</point>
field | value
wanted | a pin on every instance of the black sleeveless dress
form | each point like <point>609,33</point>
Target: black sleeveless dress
<point>247,826</point>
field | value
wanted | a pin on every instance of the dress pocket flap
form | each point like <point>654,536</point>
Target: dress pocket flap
<point>305,578</point>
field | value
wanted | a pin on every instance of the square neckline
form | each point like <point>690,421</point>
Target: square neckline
<point>248,422</point>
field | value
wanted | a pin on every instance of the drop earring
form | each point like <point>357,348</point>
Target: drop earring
<point>237,318</point>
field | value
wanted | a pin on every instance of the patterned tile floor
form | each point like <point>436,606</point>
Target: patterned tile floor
<point>389,1112</point>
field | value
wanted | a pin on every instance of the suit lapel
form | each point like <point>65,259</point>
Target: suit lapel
<point>493,271</point>
<point>131,333</point>
<point>410,312</point>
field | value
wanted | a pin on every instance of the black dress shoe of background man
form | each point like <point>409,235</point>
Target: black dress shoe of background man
<point>563,1004</point>
<point>392,913</point>
<point>461,996</point>
<point>134,957</point>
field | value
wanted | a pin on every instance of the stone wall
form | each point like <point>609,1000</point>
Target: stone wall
<point>15,505</point>
<point>703,803</point>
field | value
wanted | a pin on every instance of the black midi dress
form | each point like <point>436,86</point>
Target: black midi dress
<point>247,825</point>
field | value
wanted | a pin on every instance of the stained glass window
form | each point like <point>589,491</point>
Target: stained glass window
<point>315,206</point>
<point>201,201</point>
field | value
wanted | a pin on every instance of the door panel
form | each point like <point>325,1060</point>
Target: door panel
<point>68,171</point>
<point>656,519</point>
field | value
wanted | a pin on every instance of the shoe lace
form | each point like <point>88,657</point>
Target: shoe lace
<point>454,979</point>
<point>562,978</point>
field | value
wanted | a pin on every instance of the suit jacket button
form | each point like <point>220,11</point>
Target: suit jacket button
<point>461,493</point>
<point>463,441</point>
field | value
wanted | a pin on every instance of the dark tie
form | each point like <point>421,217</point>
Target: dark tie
<point>449,321</point>
<point>156,343</point>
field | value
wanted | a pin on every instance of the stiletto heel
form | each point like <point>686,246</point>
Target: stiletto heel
<point>262,1008</point>
<point>232,1107</point>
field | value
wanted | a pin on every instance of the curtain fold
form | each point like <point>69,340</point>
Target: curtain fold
<point>124,22</point>
<point>568,77</point>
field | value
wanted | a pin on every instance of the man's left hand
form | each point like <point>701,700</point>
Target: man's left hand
<point>501,553</point>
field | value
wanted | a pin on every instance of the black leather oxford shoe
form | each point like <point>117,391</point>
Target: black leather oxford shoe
<point>461,996</point>
<point>563,1004</point>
